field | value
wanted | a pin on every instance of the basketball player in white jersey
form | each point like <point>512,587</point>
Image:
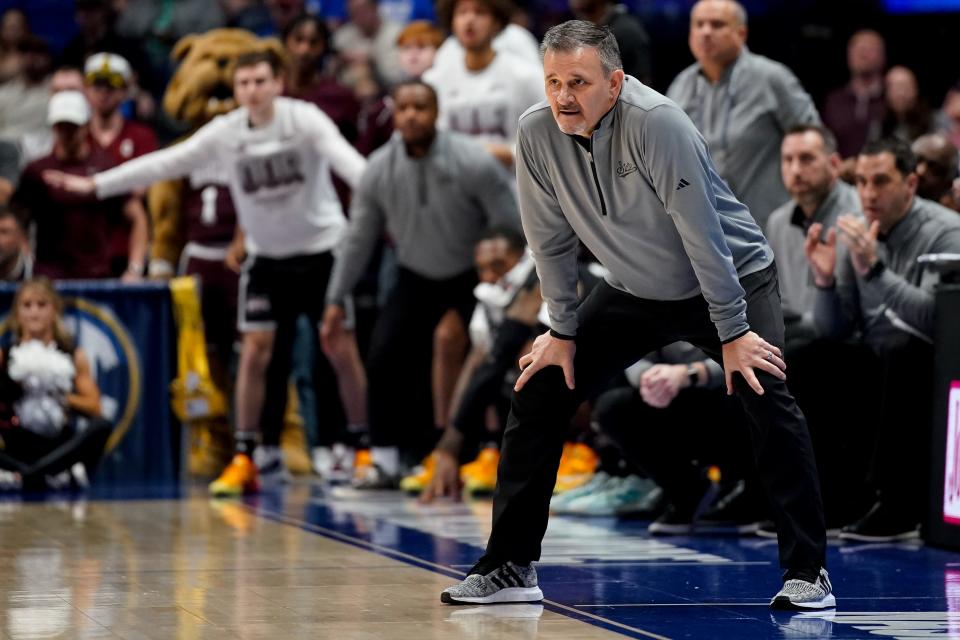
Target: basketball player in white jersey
<point>279,153</point>
<point>484,93</point>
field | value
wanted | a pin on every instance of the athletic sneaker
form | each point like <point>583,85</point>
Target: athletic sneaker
<point>420,477</point>
<point>238,478</point>
<point>10,481</point>
<point>373,478</point>
<point>621,496</point>
<point>683,521</point>
<point>577,465</point>
<point>271,465</point>
<point>597,483</point>
<point>804,591</point>
<point>507,583</point>
<point>480,476</point>
<point>881,524</point>
<point>736,513</point>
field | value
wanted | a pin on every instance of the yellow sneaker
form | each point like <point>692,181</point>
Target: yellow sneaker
<point>480,476</point>
<point>577,465</point>
<point>421,477</point>
<point>238,478</point>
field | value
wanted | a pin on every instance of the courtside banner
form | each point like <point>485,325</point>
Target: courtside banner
<point>951,479</point>
<point>128,334</point>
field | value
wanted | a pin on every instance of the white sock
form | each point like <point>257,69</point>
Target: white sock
<point>387,458</point>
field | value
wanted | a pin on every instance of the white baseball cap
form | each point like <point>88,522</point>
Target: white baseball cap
<point>68,106</point>
<point>107,67</point>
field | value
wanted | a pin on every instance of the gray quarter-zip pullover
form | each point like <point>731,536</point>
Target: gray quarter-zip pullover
<point>744,117</point>
<point>435,208</point>
<point>645,198</point>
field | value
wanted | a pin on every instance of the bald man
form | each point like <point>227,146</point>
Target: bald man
<point>742,103</point>
<point>855,108</point>
<point>936,169</point>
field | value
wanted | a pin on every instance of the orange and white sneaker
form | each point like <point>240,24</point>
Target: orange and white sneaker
<point>420,477</point>
<point>577,465</point>
<point>480,476</point>
<point>240,477</point>
<point>362,461</point>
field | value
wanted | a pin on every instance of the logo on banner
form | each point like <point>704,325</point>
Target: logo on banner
<point>951,481</point>
<point>114,362</point>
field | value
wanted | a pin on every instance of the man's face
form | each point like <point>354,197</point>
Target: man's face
<point>577,89</point>
<point>415,59</point>
<point>474,24</point>
<point>807,168</point>
<point>11,239</point>
<point>716,36</point>
<point>935,165</point>
<point>69,137</point>
<point>103,98</point>
<point>885,193</point>
<point>901,89</point>
<point>305,44</point>
<point>493,258</point>
<point>866,54</point>
<point>364,14</point>
<point>414,114</point>
<point>255,87</point>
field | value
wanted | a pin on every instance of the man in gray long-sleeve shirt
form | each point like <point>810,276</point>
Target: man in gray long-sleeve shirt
<point>435,193</point>
<point>743,104</point>
<point>614,164</point>
<point>872,283</point>
<point>810,166</point>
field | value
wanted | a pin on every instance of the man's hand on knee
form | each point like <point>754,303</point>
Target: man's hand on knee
<point>749,352</point>
<point>547,351</point>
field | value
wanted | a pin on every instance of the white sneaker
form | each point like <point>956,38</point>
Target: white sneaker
<point>799,593</point>
<point>271,466</point>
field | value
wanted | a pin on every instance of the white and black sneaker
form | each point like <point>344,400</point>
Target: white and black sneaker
<point>803,591</point>
<point>271,465</point>
<point>508,582</point>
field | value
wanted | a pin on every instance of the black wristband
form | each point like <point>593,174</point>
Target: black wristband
<point>693,376</point>
<point>561,336</point>
<point>877,268</point>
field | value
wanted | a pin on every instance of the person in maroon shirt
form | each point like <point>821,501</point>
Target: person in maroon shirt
<point>107,79</point>
<point>72,231</point>
<point>854,112</point>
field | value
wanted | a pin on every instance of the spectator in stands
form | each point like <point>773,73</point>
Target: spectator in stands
<point>107,79</point>
<point>306,40</point>
<point>504,321</point>
<point>876,286</point>
<point>67,79</point>
<point>13,30</point>
<point>250,15</point>
<point>9,170</point>
<point>948,119</point>
<point>484,93</point>
<point>632,38</point>
<point>72,232</point>
<point>418,44</point>
<point>96,20</point>
<point>39,143</point>
<point>936,169</point>
<point>854,112</point>
<point>908,117</point>
<point>742,103</point>
<point>16,264</point>
<point>283,12</point>
<point>434,192</point>
<point>23,100</point>
<point>369,40</point>
<point>46,384</point>
<point>810,166</point>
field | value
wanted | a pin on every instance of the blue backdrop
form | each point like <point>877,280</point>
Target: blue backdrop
<point>128,334</point>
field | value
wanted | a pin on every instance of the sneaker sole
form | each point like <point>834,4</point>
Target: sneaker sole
<point>516,595</point>
<point>783,603</point>
<point>858,537</point>
<point>670,529</point>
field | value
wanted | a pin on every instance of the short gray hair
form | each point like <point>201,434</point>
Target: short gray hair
<point>739,12</point>
<point>576,34</point>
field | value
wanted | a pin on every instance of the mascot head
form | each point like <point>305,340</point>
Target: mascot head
<point>202,87</point>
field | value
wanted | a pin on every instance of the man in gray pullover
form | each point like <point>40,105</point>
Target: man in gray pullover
<point>435,193</point>
<point>612,163</point>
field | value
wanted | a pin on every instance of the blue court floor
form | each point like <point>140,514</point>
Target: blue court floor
<point>300,561</point>
<point>612,574</point>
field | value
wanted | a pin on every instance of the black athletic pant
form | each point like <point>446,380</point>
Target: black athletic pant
<point>399,398</point>
<point>615,330</point>
<point>34,456</point>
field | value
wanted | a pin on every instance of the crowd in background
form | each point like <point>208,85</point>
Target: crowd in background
<point>849,193</point>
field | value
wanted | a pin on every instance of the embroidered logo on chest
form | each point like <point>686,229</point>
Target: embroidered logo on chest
<point>625,168</point>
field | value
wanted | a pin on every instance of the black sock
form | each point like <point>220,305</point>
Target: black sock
<point>246,445</point>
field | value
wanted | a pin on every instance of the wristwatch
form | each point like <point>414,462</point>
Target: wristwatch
<point>693,375</point>
<point>875,270</point>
